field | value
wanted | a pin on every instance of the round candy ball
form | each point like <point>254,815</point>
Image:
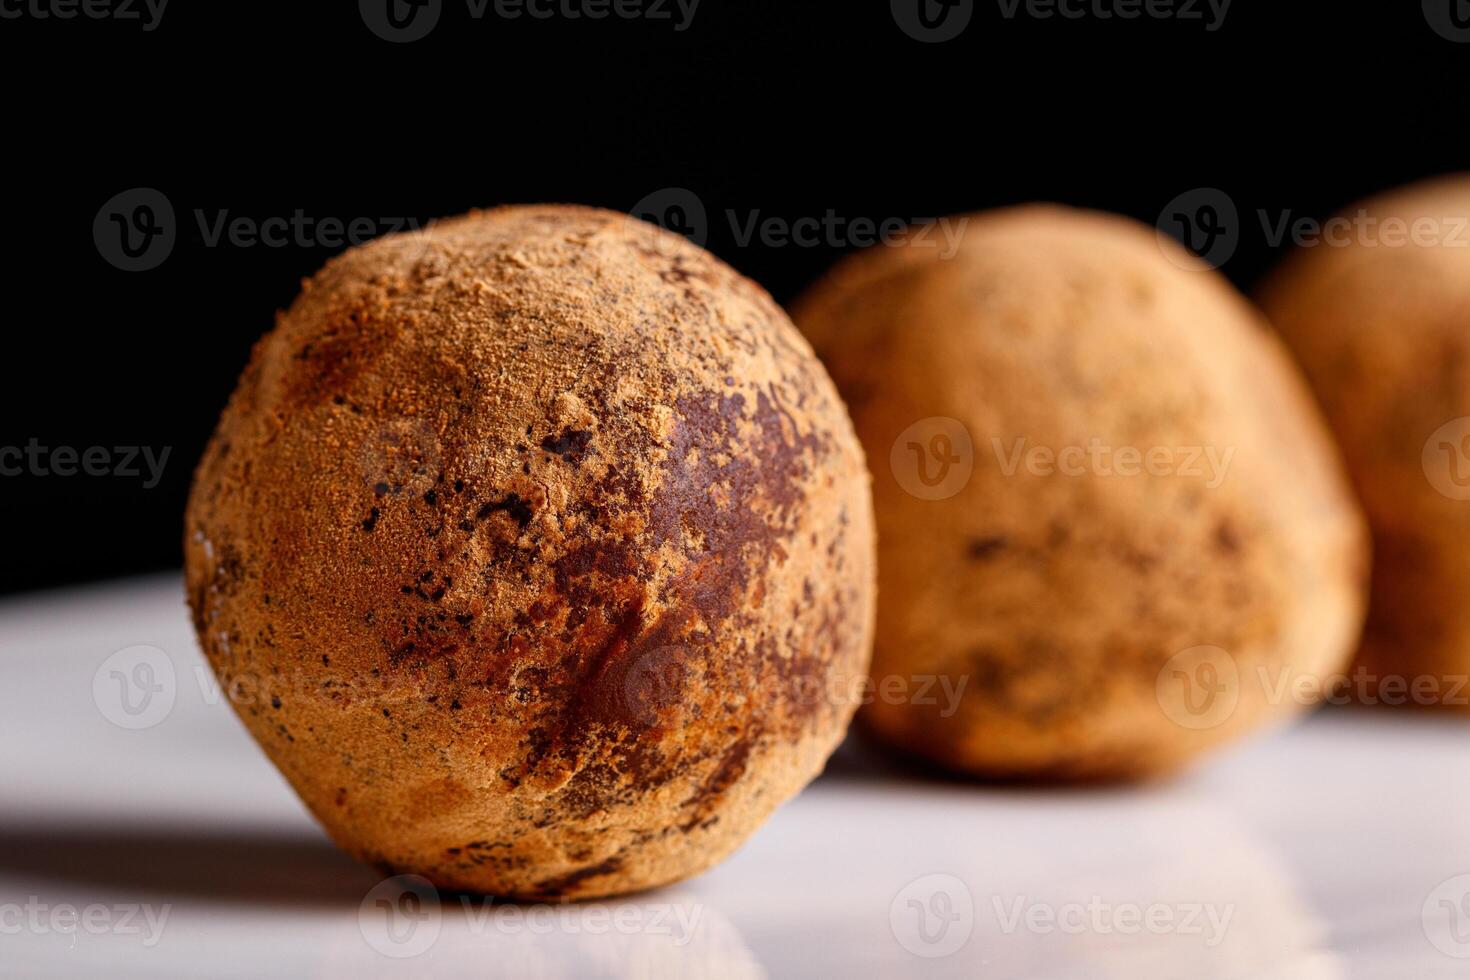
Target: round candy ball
<point>536,550</point>
<point>1113,529</point>
<point>1378,311</point>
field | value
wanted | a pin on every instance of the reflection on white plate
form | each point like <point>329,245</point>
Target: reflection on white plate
<point>1333,849</point>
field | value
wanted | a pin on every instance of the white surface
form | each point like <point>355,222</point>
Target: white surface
<point>1333,848</point>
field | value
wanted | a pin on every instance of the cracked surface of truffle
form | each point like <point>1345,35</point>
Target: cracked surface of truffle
<point>552,542</point>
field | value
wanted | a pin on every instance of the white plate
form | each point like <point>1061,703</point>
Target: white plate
<point>1336,848</point>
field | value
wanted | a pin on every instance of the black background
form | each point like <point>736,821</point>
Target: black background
<point>787,107</point>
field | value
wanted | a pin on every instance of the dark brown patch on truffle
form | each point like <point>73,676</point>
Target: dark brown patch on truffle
<point>512,504</point>
<point>571,445</point>
<point>731,768</point>
<point>554,887</point>
<point>985,548</point>
<point>1227,538</point>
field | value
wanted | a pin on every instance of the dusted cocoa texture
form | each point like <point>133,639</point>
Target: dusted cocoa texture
<point>1070,608</point>
<point>1379,314</point>
<point>538,550</point>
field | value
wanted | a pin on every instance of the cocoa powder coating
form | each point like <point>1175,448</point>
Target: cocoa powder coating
<point>1092,619</point>
<point>537,551</point>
